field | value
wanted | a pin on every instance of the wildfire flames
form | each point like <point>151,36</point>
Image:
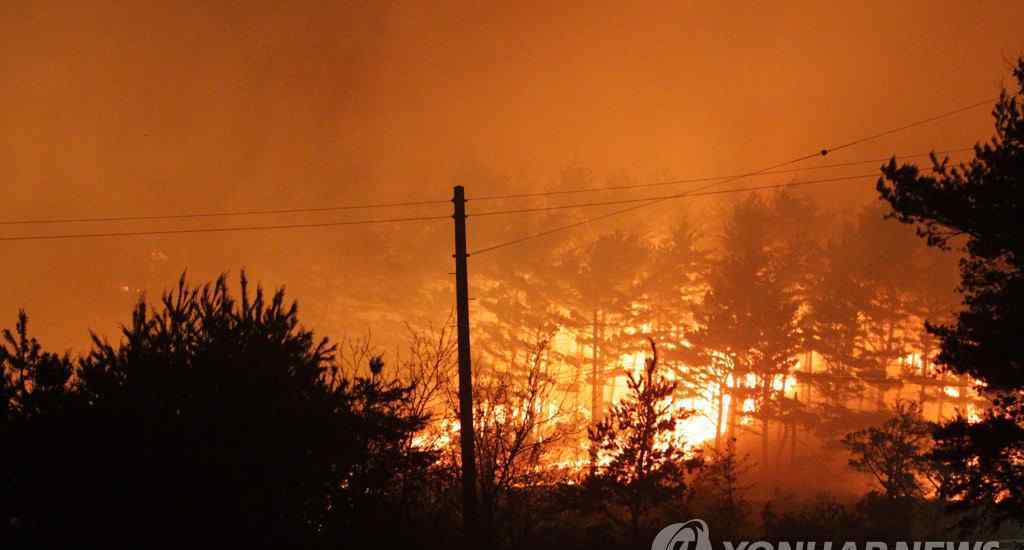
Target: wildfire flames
<point>704,426</point>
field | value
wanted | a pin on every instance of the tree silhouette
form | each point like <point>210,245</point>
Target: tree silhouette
<point>638,462</point>
<point>217,421</point>
<point>978,206</point>
<point>862,319</point>
<point>599,287</point>
<point>520,421</point>
<point>836,329</point>
<point>35,382</point>
<point>721,491</point>
<point>671,287</point>
<point>893,453</point>
<point>748,336</point>
<point>39,420</point>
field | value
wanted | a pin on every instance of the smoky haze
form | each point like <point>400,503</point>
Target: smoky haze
<point>115,109</point>
<point>755,356</point>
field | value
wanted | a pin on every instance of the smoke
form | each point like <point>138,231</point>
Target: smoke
<point>115,109</point>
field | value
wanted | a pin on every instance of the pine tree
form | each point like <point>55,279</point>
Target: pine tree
<point>978,207</point>
<point>638,461</point>
<point>748,334</point>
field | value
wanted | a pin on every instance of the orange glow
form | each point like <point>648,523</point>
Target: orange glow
<point>343,126</point>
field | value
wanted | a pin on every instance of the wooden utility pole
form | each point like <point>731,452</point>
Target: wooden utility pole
<point>596,383</point>
<point>467,438</point>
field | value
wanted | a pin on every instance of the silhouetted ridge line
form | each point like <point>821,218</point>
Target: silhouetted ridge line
<point>217,229</point>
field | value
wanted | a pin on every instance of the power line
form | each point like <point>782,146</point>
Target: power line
<point>712,178</point>
<point>715,181</point>
<point>645,202</point>
<point>229,213</point>
<point>220,213</point>
<point>891,131</point>
<point>555,230</point>
<point>823,152</point>
<point>680,195</point>
<point>216,229</point>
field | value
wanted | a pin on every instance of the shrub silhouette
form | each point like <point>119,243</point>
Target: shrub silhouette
<point>212,421</point>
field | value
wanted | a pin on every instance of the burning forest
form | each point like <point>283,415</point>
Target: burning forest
<point>675,311</point>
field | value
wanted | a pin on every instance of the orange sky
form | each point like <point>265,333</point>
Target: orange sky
<point>113,108</point>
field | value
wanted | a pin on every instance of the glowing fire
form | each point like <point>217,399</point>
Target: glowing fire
<point>710,407</point>
<point>438,436</point>
<point>699,427</point>
<point>972,414</point>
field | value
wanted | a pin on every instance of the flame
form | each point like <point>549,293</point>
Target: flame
<point>711,407</point>
<point>973,416</point>
<point>438,436</point>
<point>696,428</point>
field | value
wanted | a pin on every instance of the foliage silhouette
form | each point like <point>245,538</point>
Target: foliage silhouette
<point>214,420</point>
<point>720,493</point>
<point>894,453</point>
<point>636,463</point>
<point>748,321</point>
<point>979,205</point>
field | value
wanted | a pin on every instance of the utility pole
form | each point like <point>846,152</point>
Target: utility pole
<point>596,384</point>
<point>467,438</point>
